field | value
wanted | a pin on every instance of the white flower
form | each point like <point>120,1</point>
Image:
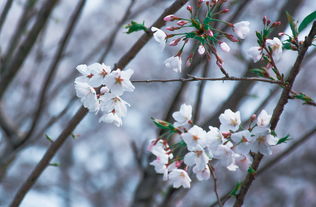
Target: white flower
<point>214,138</point>
<point>276,45</point>
<point>194,138</point>
<point>229,121</point>
<point>183,117</point>
<point>242,29</point>
<point>254,53</point>
<point>163,168</point>
<point>203,174</point>
<point>94,74</point>
<point>243,162</point>
<point>263,119</point>
<point>201,50</point>
<point>179,178</point>
<point>87,96</point>
<point>100,73</point>
<point>263,141</point>
<point>174,63</point>
<point>111,117</point>
<point>227,156</point>
<point>224,46</point>
<point>243,141</point>
<point>158,148</point>
<point>108,103</point>
<point>198,158</point>
<point>159,36</point>
<point>118,81</point>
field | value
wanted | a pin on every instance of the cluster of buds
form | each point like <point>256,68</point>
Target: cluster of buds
<point>268,50</point>
<point>203,30</point>
<point>195,150</point>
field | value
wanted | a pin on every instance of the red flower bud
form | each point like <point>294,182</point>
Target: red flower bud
<point>189,8</point>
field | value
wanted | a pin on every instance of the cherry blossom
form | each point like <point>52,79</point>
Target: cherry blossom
<point>183,116</point>
<point>242,29</point>
<point>203,174</point>
<point>254,53</point>
<point>229,120</point>
<point>214,138</point>
<point>111,117</point>
<point>243,140</point>
<point>263,119</point>
<point>179,177</point>
<point>174,63</point>
<point>227,156</point>
<point>159,36</point>
<point>109,102</point>
<point>87,96</point>
<point>243,162</point>
<point>118,81</point>
<point>263,141</point>
<point>276,45</point>
<point>194,138</point>
<point>198,158</point>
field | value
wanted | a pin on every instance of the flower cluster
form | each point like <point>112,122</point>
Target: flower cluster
<point>203,31</point>
<point>99,89</point>
<point>229,145</point>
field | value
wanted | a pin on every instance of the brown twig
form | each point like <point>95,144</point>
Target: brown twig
<point>53,68</point>
<point>5,12</point>
<point>194,78</point>
<point>277,112</point>
<point>212,170</point>
<point>22,52</point>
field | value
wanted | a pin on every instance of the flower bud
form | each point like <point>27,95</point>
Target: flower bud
<point>189,8</point>
<point>172,28</point>
<point>275,24</point>
<point>281,34</point>
<point>231,38</point>
<point>226,134</point>
<point>210,33</point>
<point>182,22</point>
<point>224,11</point>
<point>170,18</point>
<point>175,42</point>
<point>253,117</point>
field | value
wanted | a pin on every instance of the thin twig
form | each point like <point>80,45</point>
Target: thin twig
<point>194,78</point>
<point>212,170</point>
<point>5,12</point>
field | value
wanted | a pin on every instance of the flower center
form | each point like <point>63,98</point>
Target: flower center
<point>261,139</point>
<point>119,80</point>
<point>234,122</point>
<point>195,138</point>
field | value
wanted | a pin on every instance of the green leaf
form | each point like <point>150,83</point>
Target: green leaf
<point>48,138</point>
<point>134,27</point>
<point>74,136</point>
<point>303,97</point>
<point>190,35</point>
<point>54,164</point>
<point>284,139</point>
<point>293,25</point>
<point>235,190</point>
<point>163,124</point>
<point>196,23</point>
<point>251,170</point>
<point>307,20</point>
<point>260,72</point>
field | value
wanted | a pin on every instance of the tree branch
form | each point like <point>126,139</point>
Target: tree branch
<point>277,112</point>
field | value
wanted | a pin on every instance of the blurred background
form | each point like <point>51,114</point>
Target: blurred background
<point>102,165</point>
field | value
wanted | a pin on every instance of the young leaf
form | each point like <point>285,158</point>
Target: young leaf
<point>134,27</point>
<point>307,20</point>
<point>284,139</point>
<point>251,170</point>
<point>235,190</point>
<point>54,164</point>
<point>163,124</point>
<point>293,25</point>
<point>48,138</point>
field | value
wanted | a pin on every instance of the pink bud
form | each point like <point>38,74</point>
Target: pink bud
<point>253,117</point>
<point>182,22</point>
<point>178,164</point>
<point>210,33</point>
<point>172,28</point>
<point>231,38</point>
<point>224,46</point>
<point>275,24</point>
<point>170,18</point>
<point>189,8</point>
<point>224,11</point>
<point>281,34</point>
<point>175,42</point>
<point>226,134</point>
